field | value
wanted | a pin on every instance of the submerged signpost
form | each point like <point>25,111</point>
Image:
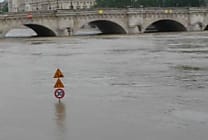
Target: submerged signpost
<point>59,92</point>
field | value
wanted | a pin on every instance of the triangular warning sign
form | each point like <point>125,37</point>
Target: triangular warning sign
<point>59,84</point>
<point>58,74</point>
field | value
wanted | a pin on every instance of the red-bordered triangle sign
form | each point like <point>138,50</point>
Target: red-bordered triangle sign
<point>59,84</point>
<point>58,74</point>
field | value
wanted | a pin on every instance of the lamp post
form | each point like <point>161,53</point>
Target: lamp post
<point>163,3</point>
<point>37,6</point>
<point>71,5</point>
<point>49,4</point>
<point>57,4</point>
<point>135,3</point>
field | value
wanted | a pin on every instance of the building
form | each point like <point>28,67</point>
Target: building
<point>43,5</point>
<point>15,5</point>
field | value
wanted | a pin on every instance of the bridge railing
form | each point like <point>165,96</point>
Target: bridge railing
<point>159,10</point>
<point>107,11</point>
<point>91,11</point>
<point>13,15</point>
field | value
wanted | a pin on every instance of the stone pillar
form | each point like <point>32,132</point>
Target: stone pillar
<point>134,30</point>
<point>63,32</point>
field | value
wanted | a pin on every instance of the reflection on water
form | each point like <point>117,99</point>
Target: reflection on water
<point>60,113</point>
<point>189,68</point>
<point>21,32</point>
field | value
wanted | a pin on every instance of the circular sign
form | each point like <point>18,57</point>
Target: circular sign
<point>59,93</point>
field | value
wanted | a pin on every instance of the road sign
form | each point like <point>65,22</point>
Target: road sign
<point>58,74</point>
<point>59,93</point>
<point>59,84</point>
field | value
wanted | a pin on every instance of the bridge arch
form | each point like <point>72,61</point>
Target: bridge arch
<point>165,25</point>
<point>106,26</point>
<point>42,31</point>
<point>206,28</point>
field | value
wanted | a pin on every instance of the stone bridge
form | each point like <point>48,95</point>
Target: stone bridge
<point>110,21</point>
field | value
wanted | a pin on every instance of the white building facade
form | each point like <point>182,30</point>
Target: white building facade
<point>44,5</point>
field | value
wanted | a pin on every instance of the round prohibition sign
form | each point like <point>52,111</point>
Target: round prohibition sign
<point>59,93</point>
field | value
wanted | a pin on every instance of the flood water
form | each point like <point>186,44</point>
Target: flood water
<point>142,87</point>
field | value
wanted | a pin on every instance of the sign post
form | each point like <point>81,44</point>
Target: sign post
<point>59,92</point>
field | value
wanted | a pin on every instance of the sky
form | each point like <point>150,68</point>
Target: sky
<point>1,0</point>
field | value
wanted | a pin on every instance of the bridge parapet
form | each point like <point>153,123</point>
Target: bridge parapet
<point>91,12</point>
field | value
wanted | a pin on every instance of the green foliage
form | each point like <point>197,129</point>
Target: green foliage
<point>150,3</point>
<point>4,8</point>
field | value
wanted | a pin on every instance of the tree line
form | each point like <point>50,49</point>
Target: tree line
<point>3,7</point>
<point>151,3</point>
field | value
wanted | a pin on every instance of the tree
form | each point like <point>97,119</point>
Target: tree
<point>4,7</point>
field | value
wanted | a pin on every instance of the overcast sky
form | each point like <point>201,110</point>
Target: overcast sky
<point>1,0</point>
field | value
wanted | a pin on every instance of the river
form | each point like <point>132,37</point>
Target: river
<point>146,87</point>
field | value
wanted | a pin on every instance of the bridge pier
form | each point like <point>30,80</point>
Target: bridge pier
<point>69,31</point>
<point>2,34</point>
<point>134,30</point>
<point>63,32</point>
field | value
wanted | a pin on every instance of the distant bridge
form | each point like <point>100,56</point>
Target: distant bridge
<point>109,21</point>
